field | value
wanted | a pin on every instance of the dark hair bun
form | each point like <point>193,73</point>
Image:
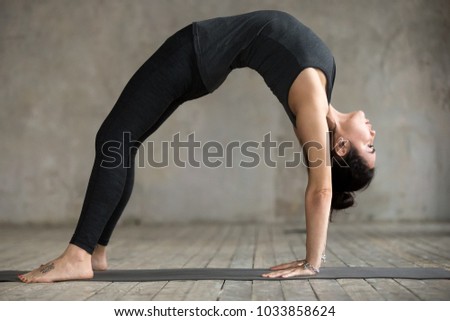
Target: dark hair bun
<point>342,200</point>
<point>355,176</point>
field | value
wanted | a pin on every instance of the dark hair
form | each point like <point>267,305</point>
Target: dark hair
<point>349,173</point>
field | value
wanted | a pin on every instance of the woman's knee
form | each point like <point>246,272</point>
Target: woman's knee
<point>116,148</point>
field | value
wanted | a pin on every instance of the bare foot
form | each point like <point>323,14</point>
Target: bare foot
<point>73,264</point>
<point>99,260</point>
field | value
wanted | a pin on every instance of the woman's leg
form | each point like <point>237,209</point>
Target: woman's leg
<point>107,231</point>
<point>167,79</point>
<point>99,259</point>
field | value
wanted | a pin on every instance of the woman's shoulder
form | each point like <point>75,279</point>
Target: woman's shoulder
<point>276,17</point>
<point>273,13</point>
<point>259,15</point>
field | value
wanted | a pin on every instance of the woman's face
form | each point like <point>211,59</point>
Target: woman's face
<point>357,129</point>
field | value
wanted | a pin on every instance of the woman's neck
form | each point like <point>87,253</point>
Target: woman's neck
<point>332,118</point>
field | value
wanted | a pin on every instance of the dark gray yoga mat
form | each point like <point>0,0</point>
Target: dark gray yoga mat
<point>253,274</point>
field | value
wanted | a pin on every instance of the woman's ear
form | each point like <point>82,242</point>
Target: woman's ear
<point>342,147</point>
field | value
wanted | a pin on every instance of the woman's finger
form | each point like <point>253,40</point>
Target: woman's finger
<point>288,265</point>
<point>277,274</point>
<point>297,272</point>
<point>287,273</point>
<point>282,266</point>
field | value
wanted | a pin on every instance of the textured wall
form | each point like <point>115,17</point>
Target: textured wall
<point>64,63</point>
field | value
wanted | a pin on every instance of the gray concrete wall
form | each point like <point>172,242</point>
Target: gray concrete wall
<point>64,63</point>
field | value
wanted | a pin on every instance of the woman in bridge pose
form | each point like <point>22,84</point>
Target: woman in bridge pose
<point>297,67</point>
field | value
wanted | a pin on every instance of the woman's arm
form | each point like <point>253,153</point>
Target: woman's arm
<point>308,101</point>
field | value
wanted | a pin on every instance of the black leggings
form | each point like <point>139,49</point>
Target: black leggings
<point>166,80</point>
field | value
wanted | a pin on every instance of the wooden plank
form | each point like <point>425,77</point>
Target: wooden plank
<point>29,292</point>
<point>264,258</point>
<point>199,240</point>
<point>174,291</point>
<point>167,244</point>
<point>211,289</point>
<point>409,253</point>
<point>170,251</point>
<point>298,290</point>
<point>207,290</point>
<point>329,290</point>
<point>179,252</point>
<point>203,242</point>
<point>208,249</point>
<point>393,253</point>
<point>242,258</point>
<point>201,256</point>
<point>368,250</point>
<point>113,291</point>
<point>441,243</point>
<point>349,243</point>
<point>429,290</point>
<point>359,290</point>
<point>391,290</point>
<point>6,286</point>
<point>144,291</point>
<point>296,241</point>
<point>295,290</point>
<point>264,255</point>
<point>408,244</point>
<point>236,291</point>
<point>426,257</point>
<point>52,242</point>
<point>76,290</point>
<point>224,255</point>
<point>238,246</point>
<point>267,291</point>
<point>282,249</point>
<point>339,245</point>
<point>439,258</point>
<point>30,256</point>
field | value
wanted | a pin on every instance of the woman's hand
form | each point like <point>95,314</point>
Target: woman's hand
<point>287,270</point>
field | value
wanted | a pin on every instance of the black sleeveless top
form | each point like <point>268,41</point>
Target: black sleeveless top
<point>273,43</point>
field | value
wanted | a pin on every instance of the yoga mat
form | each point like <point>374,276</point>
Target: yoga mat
<point>253,274</point>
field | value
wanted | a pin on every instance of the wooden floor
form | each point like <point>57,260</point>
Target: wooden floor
<point>237,246</point>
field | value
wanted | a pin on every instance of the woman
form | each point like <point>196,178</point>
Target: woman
<point>298,68</point>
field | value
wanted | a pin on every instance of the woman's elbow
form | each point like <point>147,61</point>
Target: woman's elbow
<point>320,192</point>
<point>319,196</point>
